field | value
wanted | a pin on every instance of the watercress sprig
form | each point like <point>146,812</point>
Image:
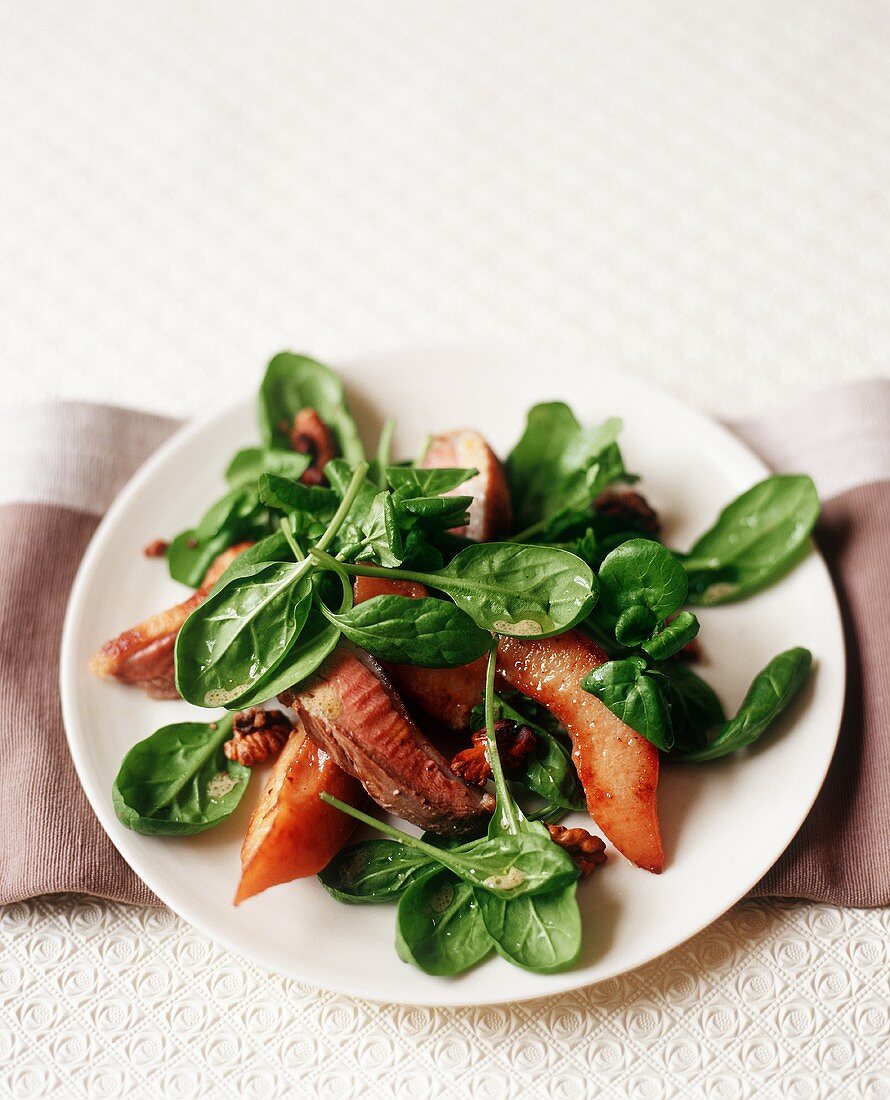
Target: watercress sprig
<point>631,690</point>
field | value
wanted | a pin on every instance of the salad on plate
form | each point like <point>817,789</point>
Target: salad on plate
<point>477,648</point>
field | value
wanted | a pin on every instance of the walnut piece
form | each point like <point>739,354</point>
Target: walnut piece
<point>515,744</point>
<point>311,436</point>
<point>630,506</point>
<point>258,735</point>
<point>588,851</point>
<point>156,549</point>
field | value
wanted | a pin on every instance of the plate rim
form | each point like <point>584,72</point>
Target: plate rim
<point>441,995</point>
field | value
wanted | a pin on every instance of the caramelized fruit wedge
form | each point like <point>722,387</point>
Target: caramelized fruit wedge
<point>490,510</point>
<point>447,695</point>
<point>292,833</point>
<point>618,768</point>
<point>143,655</point>
<point>351,710</point>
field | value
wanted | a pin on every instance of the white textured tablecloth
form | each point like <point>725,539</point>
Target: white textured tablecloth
<point>698,192</point>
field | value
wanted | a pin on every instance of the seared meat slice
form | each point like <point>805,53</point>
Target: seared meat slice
<point>446,694</point>
<point>143,655</point>
<point>489,513</point>
<point>351,711</point>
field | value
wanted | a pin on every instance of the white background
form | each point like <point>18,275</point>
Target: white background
<point>696,192</point>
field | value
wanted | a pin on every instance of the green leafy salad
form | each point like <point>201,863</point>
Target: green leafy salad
<point>479,648</point>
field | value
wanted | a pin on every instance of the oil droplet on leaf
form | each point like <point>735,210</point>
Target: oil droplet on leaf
<point>508,881</point>
<point>220,785</point>
<point>525,628</point>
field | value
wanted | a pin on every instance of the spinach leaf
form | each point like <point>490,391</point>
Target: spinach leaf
<point>508,820</point>
<point>642,574</point>
<point>271,548</point>
<point>524,591</point>
<point>380,462</point>
<point>439,926</point>
<point>676,634</point>
<point>559,466</point>
<point>541,933</point>
<point>247,465</point>
<point>549,772</point>
<point>374,871</point>
<point>755,540</point>
<point>770,693</point>
<point>178,781</point>
<point>241,633</point>
<point>694,705</point>
<point>416,482</point>
<point>293,382</point>
<point>235,505</point>
<point>429,632</point>
<point>317,641</point>
<point>634,694</point>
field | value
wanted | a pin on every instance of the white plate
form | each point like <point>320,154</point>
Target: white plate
<point>724,824</point>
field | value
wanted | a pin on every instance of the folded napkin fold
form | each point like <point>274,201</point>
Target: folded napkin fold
<point>62,464</point>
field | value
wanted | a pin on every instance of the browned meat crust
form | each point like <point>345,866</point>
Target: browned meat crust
<point>350,709</point>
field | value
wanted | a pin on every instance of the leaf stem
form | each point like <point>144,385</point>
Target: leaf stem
<point>534,528</point>
<point>384,444</point>
<point>550,814</point>
<point>287,531</point>
<point>352,490</point>
<point>506,807</point>
<point>443,856</point>
<point>362,569</point>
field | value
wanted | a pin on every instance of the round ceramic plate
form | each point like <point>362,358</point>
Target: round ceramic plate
<point>724,824</point>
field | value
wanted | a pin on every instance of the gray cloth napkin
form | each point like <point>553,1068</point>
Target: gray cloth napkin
<point>62,464</point>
